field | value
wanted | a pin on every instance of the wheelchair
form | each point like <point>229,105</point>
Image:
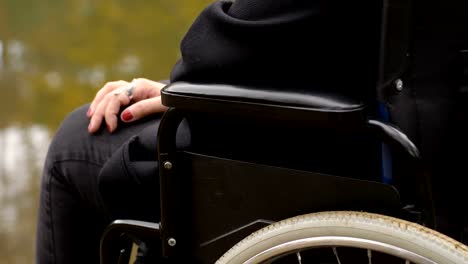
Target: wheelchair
<point>234,201</point>
<point>209,203</point>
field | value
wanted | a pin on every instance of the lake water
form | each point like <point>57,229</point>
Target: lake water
<point>54,56</point>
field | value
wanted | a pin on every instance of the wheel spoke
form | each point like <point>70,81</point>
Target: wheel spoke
<point>299,258</point>
<point>369,256</point>
<point>407,262</point>
<point>336,255</point>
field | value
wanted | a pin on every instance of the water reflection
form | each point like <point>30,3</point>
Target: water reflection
<point>15,54</point>
<point>23,151</point>
<point>53,57</point>
<point>92,77</point>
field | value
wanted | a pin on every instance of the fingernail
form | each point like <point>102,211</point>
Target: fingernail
<point>109,129</point>
<point>127,116</point>
<point>89,112</point>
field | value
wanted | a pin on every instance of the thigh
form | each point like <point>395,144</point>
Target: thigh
<point>80,156</point>
<point>72,213</point>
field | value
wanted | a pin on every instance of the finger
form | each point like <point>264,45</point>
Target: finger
<point>143,108</point>
<point>108,109</point>
<point>145,89</point>
<point>106,89</point>
<point>112,110</point>
<point>98,115</point>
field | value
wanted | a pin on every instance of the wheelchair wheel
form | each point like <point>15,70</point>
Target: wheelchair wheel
<point>346,237</point>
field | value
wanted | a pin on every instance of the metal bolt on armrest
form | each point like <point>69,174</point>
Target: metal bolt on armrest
<point>167,165</point>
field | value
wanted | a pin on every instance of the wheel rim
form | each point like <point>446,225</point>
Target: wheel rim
<point>296,246</point>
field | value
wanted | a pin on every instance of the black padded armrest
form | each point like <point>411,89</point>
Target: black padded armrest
<point>263,103</point>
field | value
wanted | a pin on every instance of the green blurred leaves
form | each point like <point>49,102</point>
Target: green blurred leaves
<point>66,50</point>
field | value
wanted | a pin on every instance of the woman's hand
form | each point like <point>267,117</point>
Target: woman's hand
<point>143,100</point>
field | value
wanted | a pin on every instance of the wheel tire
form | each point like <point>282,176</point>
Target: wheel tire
<point>350,224</point>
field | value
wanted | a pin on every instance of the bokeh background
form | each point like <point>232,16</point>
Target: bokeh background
<point>54,56</point>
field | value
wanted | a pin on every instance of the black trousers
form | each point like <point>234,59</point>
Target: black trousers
<point>75,204</point>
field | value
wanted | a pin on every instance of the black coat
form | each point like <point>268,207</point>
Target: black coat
<point>284,44</point>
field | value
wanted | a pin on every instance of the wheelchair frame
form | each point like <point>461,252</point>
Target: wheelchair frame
<point>176,188</point>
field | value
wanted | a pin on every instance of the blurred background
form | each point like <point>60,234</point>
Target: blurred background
<point>54,56</point>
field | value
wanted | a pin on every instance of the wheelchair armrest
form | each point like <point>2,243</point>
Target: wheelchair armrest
<point>318,109</point>
<point>264,103</point>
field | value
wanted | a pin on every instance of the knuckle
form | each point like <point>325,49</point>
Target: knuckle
<point>108,85</point>
<point>101,109</point>
<point>139,82</point>
<point>98,115</point>
<point>124,100</point>
<point>120,83</point>
<point>100,93</point>
<point>108,116</point>
<point>112,109</point>
<point>109,96</point>
<point>113,84</point>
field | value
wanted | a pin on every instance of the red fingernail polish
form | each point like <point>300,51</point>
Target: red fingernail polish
<point>127,116</point>
<point>89,112</point>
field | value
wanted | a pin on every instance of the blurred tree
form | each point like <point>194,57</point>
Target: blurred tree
<point>58,53</point>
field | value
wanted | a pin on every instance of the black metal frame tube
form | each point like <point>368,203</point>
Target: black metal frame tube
<point>166,145</point>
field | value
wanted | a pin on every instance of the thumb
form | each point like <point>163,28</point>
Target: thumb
<point>142,109</point>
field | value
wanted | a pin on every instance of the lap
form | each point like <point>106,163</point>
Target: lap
<point>72,139</point>
<point>93,165</point>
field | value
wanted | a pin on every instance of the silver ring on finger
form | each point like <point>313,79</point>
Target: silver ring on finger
<point>127,90</point>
